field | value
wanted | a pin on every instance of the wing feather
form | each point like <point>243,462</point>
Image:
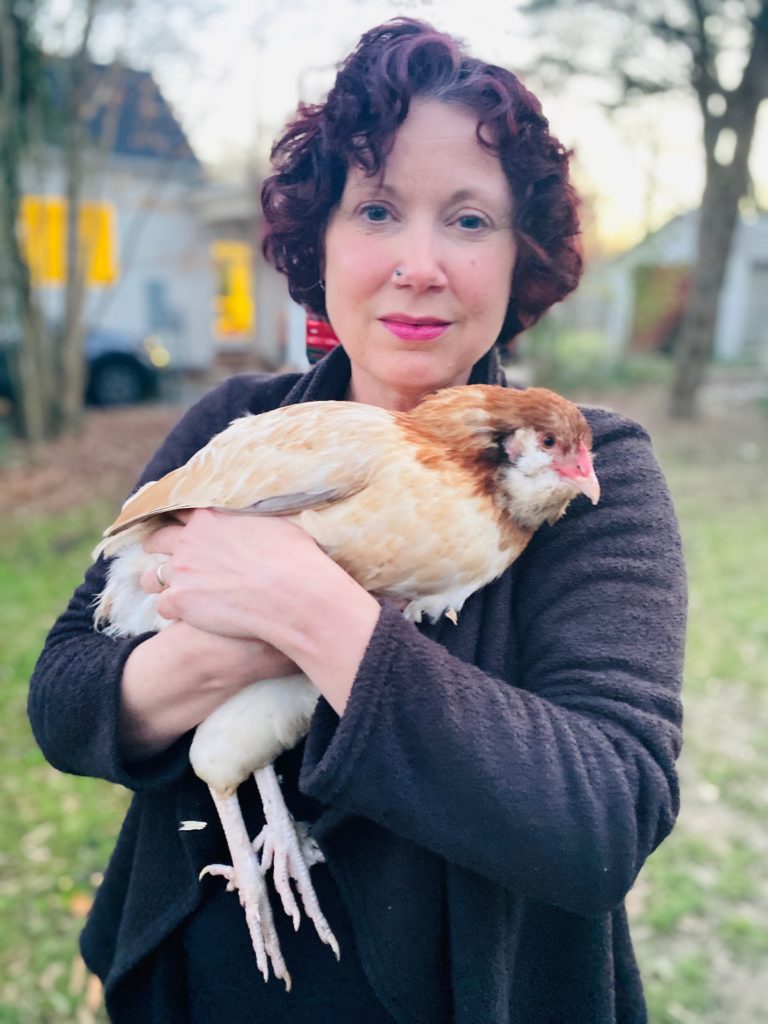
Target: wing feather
<point>284,461</point>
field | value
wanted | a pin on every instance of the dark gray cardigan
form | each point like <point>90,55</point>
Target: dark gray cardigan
<point>489,795</point>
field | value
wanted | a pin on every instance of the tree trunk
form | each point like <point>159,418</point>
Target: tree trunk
<point>71,356</point>
<point>725,186</point>
<point>695,346</point>
<point>34,399</point>
<point>70,341</point>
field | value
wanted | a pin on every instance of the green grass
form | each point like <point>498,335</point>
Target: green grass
<point>701,905</point>
<point>683,996</point>
<point>702,910</point>
<point>746,937</point>
<point>56,831</point>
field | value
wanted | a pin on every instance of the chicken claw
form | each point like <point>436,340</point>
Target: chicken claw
<point>246,877</point>
<point>287,847</point>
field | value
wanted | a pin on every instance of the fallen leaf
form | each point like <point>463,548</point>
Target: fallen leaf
<point>79,904</point>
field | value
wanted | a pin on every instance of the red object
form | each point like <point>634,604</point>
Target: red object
<point>320,339</point>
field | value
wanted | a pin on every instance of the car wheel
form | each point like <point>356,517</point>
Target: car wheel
<point>116,383</point>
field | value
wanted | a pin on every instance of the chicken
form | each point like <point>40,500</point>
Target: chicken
<point>423,507</point>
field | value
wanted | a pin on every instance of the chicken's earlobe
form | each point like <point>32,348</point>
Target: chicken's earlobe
<point>512,446</point>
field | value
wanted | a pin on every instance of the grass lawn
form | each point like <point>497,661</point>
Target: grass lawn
<point>56,831</point>
<point>701,905</point>
<point>702,902</point>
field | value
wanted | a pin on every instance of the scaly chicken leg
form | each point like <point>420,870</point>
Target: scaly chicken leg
<point>287,847</point>
<point>245,876</point>
<point>244,735</point>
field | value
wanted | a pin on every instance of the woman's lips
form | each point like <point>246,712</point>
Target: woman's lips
<point>410,330</point>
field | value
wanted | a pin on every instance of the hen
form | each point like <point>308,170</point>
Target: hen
<point>424,507</point>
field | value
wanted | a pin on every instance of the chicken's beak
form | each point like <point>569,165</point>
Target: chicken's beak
<point>590,486</point>
<point>580,473</point>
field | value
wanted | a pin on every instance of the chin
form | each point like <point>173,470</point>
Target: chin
<point>423,371</point>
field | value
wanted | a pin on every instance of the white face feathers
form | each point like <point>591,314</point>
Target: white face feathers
<point>534,490</point>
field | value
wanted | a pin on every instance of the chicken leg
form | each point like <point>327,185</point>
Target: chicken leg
<point>290,851</point>
<point>243,736</point>
<point>245,876</point>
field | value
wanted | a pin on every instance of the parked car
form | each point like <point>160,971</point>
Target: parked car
<point>121,369</point>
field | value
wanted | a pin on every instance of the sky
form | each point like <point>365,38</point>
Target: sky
<point>242,67</point>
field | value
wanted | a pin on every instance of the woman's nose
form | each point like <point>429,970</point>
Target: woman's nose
<point>421,265</point>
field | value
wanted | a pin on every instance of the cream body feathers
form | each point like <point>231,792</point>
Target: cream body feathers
<point>350,476</point>
<point>249,730</point>
<point>426,506</point>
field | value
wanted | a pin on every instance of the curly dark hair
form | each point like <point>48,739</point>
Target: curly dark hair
<point>393,64</point>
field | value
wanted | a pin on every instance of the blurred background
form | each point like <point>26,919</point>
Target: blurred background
<point>133,138</point>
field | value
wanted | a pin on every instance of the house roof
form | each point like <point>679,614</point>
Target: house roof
<point>125,111</point>
<point>676,239</point>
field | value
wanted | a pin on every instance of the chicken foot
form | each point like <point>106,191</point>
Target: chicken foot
<point>246,877</point>
<point>287,847</point>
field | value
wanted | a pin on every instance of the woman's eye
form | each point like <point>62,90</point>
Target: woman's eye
<point>472,222</point>
<point>375,214</point>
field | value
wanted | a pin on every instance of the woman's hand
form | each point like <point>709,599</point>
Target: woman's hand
<point>176,679</point>
<point>263,578</point>
<point>229,574</point>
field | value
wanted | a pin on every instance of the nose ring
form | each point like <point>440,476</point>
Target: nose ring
<point>398,273</point>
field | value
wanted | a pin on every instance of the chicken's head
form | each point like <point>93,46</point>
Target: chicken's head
<point>530,449</point>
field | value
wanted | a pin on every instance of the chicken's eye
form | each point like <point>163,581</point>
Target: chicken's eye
<point>548,441</point>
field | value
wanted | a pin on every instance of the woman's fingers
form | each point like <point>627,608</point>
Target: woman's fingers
<point>163,541</point>
<point>155,580</point>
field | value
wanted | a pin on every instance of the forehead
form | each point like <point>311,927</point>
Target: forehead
<point>437,149</point>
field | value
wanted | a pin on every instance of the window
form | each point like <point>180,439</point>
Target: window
<point>233,304</point>
<point>43,233</point>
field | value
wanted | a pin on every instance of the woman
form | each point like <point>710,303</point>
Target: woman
<point>484,794</point>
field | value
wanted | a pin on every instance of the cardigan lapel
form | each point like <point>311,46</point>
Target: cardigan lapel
<point>328,380</point>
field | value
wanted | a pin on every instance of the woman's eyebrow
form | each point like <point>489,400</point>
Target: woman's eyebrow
<point>461,195</point>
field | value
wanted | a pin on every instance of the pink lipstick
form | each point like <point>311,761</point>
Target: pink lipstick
<point>415,328</point>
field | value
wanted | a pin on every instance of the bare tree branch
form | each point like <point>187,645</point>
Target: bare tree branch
<point>694,48</point>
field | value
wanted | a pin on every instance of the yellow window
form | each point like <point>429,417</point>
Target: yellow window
<point>43,234</point>
<point>233,304</point>
<point>97,237</point>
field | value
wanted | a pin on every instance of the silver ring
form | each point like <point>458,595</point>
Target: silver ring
<point>159,574</point>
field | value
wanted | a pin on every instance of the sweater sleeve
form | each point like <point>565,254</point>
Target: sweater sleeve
<point>558,780</point>
<point>74,697</point>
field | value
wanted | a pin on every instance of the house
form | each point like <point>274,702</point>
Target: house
<point>257,320</point>
<point>647,287</point>
<point>170,259</point>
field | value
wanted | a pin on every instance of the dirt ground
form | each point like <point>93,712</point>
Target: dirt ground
<point>102,461</point>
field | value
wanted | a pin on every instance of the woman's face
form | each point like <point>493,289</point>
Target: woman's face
<point>419,261</point>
